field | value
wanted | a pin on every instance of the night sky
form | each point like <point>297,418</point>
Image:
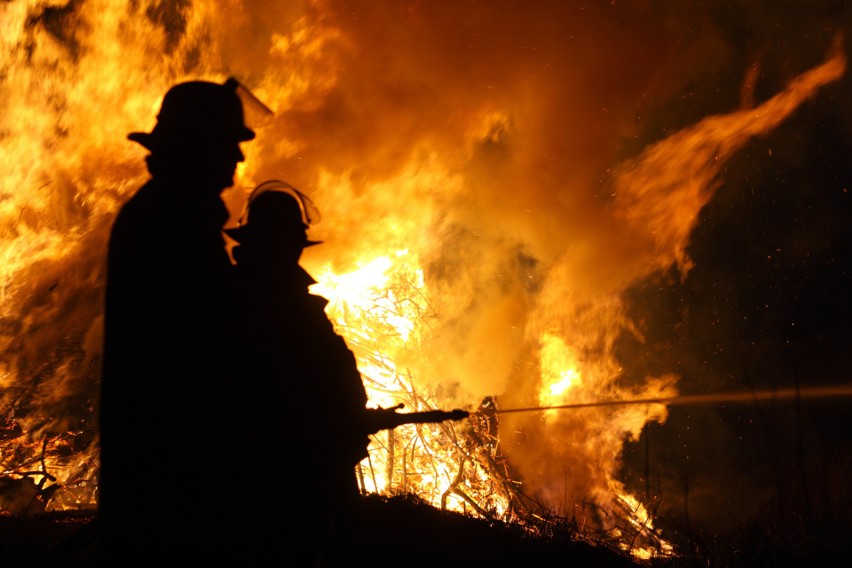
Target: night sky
<point>581,88</point>
<point>766,306</point>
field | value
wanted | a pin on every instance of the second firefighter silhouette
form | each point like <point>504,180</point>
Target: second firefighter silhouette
<point>311,401</point>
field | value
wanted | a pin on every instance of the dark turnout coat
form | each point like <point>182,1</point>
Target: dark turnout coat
<point>309,421</point>
<point>168,376</point>
<point>305,375</point>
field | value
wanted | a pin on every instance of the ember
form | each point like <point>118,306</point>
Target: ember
<point>473,257</point>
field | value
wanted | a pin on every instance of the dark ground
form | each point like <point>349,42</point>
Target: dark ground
<point>398,532</point>
<point>401,531</point>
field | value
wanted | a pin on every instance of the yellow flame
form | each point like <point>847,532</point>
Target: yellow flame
<point>379,308</point>
<point>449,265</point>
<point>559,372</point>
<point>363,288</point>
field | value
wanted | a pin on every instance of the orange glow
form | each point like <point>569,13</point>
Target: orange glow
<point>468,256</point>
<point>559,373</point>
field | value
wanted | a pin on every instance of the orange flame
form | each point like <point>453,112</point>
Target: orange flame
<point>456,262</point>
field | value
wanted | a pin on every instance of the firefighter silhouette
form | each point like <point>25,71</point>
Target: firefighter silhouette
<point>169,376</point>
<point>311,398</point>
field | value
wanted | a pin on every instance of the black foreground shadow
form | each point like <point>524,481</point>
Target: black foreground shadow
<point>398,531</point>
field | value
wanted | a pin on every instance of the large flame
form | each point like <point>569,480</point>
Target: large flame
<point>472,258</point>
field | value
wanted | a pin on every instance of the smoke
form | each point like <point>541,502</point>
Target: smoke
<point>501,142</point>
<point>518,123</point>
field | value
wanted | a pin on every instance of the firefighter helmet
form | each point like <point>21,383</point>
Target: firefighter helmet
<point>274,210</point>
<point>197,112</point>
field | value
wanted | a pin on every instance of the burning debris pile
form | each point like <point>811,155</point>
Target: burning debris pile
<point>473,259</point>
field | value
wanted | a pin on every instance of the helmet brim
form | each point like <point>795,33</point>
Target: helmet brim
<point>154,140</point>
<point>245,234</point>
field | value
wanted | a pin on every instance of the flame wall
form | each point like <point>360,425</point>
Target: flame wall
<point>496,144</point>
